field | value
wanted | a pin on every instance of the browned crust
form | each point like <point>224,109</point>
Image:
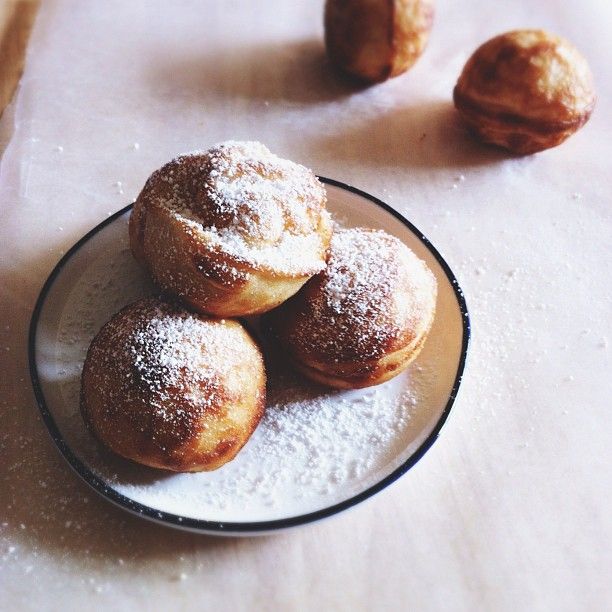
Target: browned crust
<point>115,408</point>
<point>16,20</point>
<point>419,31</point>
<point>474,111</point>
<point>366,349</point>
<point>373,41</point>
<point>202,275</point>
<point>225,450</point>
<point>525,90</point>
<point>348,28</point>
<point>387,70</point>
<point>147,204</point>
<point>282,322</point>
<point>359,375</point>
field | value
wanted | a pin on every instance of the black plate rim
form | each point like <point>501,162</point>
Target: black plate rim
<point>254,527</point>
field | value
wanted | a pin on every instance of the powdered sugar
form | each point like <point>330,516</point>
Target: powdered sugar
<point>239,199</point>
<point>160,376</point>
<point>313,448</point>
<point>374,291</point>
<point>311,444</point>
<point>171,347</point>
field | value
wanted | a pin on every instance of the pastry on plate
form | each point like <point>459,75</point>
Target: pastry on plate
<point>364,318</point>
<point>374,41</point>
<point>171,389</point>
<point>231,231</point>
<point>526,91</point>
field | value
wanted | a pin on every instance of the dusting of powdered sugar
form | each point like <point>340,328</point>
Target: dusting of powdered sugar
<point>374,291</point>
<point>314,446</point>
<point>163,375</point>
<point>166,348</point>
<point>170,347</point>
<point>242,201</point>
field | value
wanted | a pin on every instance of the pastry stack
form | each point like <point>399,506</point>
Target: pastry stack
<point>177,382</point>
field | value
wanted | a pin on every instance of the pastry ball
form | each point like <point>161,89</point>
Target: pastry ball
<point>231,231</point>
<point>171,389</point>
<point>376,40</point>
<point>525,91</point>
<point>364,318</point>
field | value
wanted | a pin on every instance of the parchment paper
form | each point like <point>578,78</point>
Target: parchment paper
<point>511,507</point>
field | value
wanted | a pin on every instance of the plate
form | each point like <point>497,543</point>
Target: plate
<point>316,452</point>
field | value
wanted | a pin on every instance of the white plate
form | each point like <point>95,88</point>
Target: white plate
<point>316,452</point>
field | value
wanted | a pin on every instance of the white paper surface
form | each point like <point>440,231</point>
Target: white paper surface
<point>511,508</point>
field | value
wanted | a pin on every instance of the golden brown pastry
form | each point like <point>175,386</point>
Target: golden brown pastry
<point>376,39</point>
<point>525,91</point>
<point>364,318</point>
<point>231,231</point>
<point>171,389</point>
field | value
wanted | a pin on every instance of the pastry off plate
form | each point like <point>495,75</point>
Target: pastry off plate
<point>316,452</point>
